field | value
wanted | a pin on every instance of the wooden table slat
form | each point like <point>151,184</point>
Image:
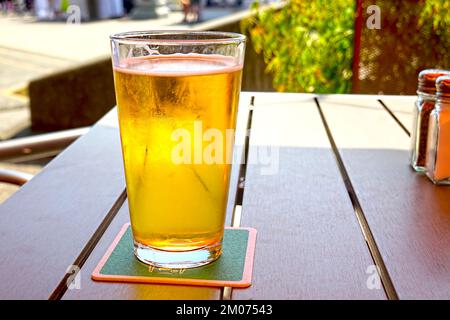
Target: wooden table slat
<point>309,244</point>
<point>408,216</point>
<point>47,223</point>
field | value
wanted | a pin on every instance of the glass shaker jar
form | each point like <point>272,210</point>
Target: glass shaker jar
<point>438,145</point>
<point>424,105</point>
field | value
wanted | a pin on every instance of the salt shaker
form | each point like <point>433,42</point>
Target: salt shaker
<point>438,144</point>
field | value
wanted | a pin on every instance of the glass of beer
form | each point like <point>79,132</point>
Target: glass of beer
<point>177,95</point>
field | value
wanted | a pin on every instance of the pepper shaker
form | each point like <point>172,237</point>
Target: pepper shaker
<point>425,103</point>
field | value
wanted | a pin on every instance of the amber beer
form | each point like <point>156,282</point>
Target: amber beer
<point>176,207</point>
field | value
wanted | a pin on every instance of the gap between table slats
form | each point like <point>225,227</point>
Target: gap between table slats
<point>240,185</point>
<point>400,108</point>
<point>365,228</point>
<point>87,250</point>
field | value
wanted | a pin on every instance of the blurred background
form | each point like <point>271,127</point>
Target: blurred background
<point>55,70</point>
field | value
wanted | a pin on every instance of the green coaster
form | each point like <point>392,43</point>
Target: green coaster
<point>233,269</point>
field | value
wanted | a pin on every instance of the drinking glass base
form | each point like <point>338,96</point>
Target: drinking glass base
<point>177,259</point>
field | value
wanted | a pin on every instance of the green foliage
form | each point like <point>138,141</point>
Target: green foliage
<point>438,12</point>
<point>65,5</point>
<point>307,45</point>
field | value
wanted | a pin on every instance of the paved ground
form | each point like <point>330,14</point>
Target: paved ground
<point>17,67</point>
<point>30,49</point>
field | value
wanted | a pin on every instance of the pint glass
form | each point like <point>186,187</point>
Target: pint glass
<point>177,95</point>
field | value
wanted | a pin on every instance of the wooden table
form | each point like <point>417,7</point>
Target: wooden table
<point>343,200</point>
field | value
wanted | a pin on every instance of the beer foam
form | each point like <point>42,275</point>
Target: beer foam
<point>179,65</point>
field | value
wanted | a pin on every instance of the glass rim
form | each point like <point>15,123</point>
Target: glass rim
<point>158,37</point>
